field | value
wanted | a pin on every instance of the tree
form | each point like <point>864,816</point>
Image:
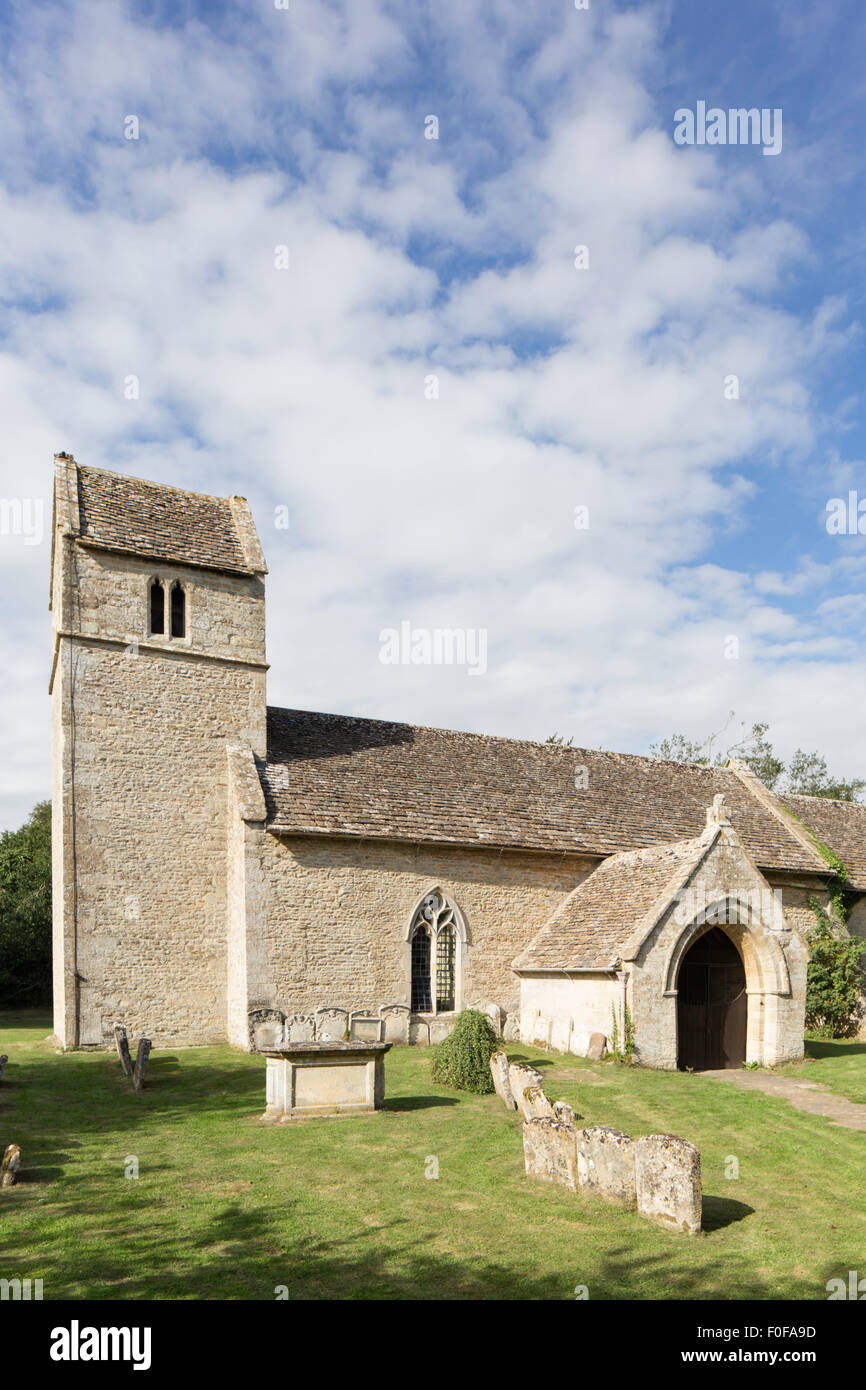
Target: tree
<point>805,775</point>
<point>25,911</point>
<point>834,979</point>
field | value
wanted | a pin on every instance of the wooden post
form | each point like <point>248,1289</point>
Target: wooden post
<point>141,1060</point>
<point>10,1165</point>
<point>4,1058</point>
<point>121,1042</point>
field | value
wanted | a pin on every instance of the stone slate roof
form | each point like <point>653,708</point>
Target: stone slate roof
<point>839,824</point>
<point>329,774</point>
<point>149,519</point>
<point>588,930</point>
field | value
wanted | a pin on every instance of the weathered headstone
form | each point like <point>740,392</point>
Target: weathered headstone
<point>10,1165</point>
<point>560,1034</point>
<point>142,1057</point>
<point>121,1042</point>
<point>365,1026</point>
<point>4,1058</point>
<point>550,1151</point>
<point>331,1023</point>
<point>300,1028</point>
<point>563,1112</point>
<point>606,1164</point>
<point>499,1070</point>
<point>536,1104</point>
<point>597,1046</point>
<point>541,1032</point>
<point>668,1182</point>
<point>266,1028</point>
<point>579,1041</point>
<point>511,1027</point>
<point>395,1021</point>
<point>521,1075</point>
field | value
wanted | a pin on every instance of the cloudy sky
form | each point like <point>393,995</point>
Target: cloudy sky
<point>433,386</point>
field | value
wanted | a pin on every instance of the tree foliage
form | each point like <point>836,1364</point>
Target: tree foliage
<point>834,980</point>
<point>806,774</point>
<point>463,1059</point>
<point>25,911</point>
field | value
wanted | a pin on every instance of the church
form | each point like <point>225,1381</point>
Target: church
<point>228,871</point>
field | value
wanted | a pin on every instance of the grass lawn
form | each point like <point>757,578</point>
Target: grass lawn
<point>226,1208</point>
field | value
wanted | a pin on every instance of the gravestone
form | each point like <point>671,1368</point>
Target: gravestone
<point>10,1165</point>
<point>331,1023</point>
<point>550,1151</point>
<point>266,1028</point>
<point>142,1057</point>
<point>535,1104</point>
<point>511,1027</point>
<point>395,1021</point>
<point>521,1075</point>
<point>560,1035</point>
<point>563,1112</point>
<point>4,1058</point>
<point>606,1164</point>
<point>300,1028</point>
<point>365,1026</point>
<point>597,1046</point>
<point>668,1182</point>
<point>121,1042</point>
<point>501,1084</point>
<point>541,1032</point>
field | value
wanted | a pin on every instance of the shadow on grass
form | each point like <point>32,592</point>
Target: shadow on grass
<point>718,1212</point>
<point>816,1047</point>
<point>418,1102</point>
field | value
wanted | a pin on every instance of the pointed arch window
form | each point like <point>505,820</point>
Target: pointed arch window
<point>436,938</point>
<point>157,607</point>
<point>178,610</point>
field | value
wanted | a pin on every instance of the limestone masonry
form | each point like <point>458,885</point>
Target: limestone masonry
<point>222,866</point>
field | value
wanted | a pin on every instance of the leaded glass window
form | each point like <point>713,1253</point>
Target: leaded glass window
<point>445,960</point>
<point>421,970</point>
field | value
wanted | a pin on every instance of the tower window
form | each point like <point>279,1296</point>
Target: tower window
<point>178,611</point>
<point>157,607</point>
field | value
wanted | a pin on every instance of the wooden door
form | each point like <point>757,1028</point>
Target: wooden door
<point>711,1005</point>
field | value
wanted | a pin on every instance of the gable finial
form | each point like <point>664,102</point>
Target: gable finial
<point>717,814</point>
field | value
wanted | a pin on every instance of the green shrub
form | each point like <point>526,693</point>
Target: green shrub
<point>834,980</point>
<point>463,1059</point>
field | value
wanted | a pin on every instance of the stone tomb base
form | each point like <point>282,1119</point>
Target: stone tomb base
<point>325,1078</point>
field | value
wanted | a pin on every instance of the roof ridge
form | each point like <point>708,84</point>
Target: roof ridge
<point>150,482</point>
<point>502,738</point>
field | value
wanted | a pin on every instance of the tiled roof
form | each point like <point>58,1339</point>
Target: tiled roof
<point>839,824</point>
<point>333,774</point>
<point>166,523</point>
<point>588,930</point>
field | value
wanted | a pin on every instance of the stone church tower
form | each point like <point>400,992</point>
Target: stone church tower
<point>158,605</point>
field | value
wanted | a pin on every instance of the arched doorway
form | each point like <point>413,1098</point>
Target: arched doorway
<point>711,1005</point>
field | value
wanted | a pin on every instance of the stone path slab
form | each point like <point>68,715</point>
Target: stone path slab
<point>811,1096</point>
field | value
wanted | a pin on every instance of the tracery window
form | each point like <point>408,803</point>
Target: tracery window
<point>435,938</point>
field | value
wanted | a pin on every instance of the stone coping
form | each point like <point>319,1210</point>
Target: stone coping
<point>318,1049</point>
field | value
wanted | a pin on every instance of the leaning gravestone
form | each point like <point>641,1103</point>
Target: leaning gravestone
<point>121,1042</point>
<point>521,1075</point>
<point>10,1165</point>
<point>606,1164</point>
<point>668,1182</point>
<point>536,1104</point>
<point>141,1060</point>
<point>550,1151</point>
<point>597,1047</point>
<point>563,1112</point>
<point>499,1070</point>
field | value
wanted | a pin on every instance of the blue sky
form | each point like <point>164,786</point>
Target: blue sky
<point>558,387</point>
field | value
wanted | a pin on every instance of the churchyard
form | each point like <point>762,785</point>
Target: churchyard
<point>181,1192</point>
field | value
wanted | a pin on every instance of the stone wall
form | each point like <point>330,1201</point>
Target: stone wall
<point>332,918</point>
<point>140,789</point>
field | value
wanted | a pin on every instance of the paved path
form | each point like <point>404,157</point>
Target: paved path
<point>812,1096</point>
